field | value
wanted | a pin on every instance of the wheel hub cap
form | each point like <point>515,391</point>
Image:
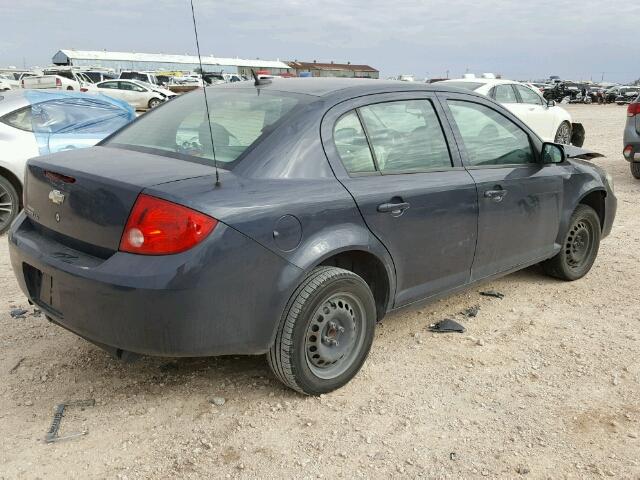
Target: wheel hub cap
<point>332,333</point>
<point>578,244</point>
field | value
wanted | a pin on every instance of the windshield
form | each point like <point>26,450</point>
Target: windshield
<point>466,85</point>
<point>179,129</point>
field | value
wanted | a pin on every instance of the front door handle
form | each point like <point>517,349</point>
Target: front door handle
<point>495,195</point>
<point>393,208</point>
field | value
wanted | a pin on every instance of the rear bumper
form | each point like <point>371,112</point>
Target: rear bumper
<point>632,138</point>
<point>225,296</point>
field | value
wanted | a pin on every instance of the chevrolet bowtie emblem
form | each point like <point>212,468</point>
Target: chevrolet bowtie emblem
<point>56,196</point>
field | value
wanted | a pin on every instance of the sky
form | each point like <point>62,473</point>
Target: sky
<point>520,39</point>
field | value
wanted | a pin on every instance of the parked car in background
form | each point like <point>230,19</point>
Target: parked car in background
<point>7,82</point>
<point>146,77</point>
<point>631,138</point>
<point>627,95</point>
<point>61,79</point>
<point>551,122</point>
<point>139,95</point>
<point>37,122</point>
<point>99,75</point>
<point>334,201</point>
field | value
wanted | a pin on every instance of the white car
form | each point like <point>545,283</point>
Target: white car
<point>551,122</point>
<point>139,95</point>
<point>8,83</point>
<point>60,79</point>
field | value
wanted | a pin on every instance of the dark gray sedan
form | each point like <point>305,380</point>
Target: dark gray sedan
<point>337,202</point>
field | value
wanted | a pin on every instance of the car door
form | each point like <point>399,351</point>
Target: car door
<point>111,88</point>
<point>135,95</point>
<point>519,197</point>
<point>539,117</point>
<point>393,155</point>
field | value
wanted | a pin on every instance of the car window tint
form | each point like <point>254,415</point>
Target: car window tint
<point>19,119</point>
<point>505,94</point>
<point>113,85</point>
<point>489,137</point>
<point>406,136</point>
<point>352,145</point>
<point>528,96</point>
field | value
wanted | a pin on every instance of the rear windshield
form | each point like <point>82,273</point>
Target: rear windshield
<point>179,129</point>
<point>466,85</point>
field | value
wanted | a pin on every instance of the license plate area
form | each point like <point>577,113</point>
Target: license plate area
<point>41,287</point>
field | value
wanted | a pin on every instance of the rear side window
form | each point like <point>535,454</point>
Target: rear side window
<point>528,96</point>
<point>20,119</point>
<point>489,137</point>
<point>505,94</point>
<point>352,144</point>
<point>406,136</point>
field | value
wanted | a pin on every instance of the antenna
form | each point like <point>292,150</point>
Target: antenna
<point>204,89</point>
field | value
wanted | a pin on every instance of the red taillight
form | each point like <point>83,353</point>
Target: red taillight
<point>84,89</point>
<point>58,82</point>
<point>160,227</point>
<point>628,152</point>
<point>633,109</point>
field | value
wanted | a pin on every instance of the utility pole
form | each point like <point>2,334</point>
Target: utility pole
<point>602,77</point>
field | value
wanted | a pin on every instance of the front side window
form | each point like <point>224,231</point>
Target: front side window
<point>406,136</point>
<point>505,94</point>
<point>180,129</point>
<point>528,96</point>
<point>489,137</point>
<point>352,144</point>
<point>112,85</point>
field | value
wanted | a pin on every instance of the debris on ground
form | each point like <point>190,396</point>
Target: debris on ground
<point>471,311</point>
<point>492,293</point>
<point>17,365</point>
<point>218,401</point>
<point>445,326</point>
<point>36,312</point>
<point>52,433</point>
<point>453,456</point>
<point>18,313</point>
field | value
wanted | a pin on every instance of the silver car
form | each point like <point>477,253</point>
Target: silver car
<point>631,143</point>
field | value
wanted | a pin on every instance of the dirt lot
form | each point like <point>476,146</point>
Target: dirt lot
<point>544,384</point>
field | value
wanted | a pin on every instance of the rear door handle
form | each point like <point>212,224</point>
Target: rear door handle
<point>393,208</point>
<point>495,195</point>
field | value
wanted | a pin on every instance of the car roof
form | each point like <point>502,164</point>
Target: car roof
<point>484,81</point>
<point>15,99</point>
<point>326,87</point>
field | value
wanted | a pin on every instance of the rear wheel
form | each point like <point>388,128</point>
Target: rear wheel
<point>563,135</point>
<point>9,204</point>
<point>69,88</point>
<point>154,102</point>
<point>326,332</point>
<point>635,169</point>
<point>579,248</point>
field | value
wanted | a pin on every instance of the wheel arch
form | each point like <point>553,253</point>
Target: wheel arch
<point>596,200</point>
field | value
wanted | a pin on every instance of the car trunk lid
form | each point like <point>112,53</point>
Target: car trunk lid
<point>86,195</point>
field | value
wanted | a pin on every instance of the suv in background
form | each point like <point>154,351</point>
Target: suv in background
<point>631,143</point>
<point>140,76</point>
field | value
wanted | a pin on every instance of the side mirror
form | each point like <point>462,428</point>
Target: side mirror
<point>552,153</point>
<point>551,103</point>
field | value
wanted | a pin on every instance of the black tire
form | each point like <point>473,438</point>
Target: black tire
<point>9,204</point>
<point>579,248</point>
<point>635,169</point>
<point>69,87</point>
<point>563,135</point>
<point>326,302</point>
<point>154,102</point>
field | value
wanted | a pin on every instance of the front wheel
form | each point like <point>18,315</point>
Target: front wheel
<point>563,135</point>
<point>635,169</point>
<point>326,332</point>
<point>580,246</point>
<point>154,102</point>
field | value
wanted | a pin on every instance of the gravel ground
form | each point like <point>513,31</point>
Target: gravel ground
<point>544,384</point>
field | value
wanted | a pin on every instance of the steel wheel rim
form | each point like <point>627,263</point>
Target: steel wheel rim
<point>7,207</point>
<point>563,135</point>
<point>579,244</point>
<point>335,335</point>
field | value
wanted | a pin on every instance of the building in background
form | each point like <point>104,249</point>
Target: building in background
<point>119,61</point>
<point>315,69</point>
